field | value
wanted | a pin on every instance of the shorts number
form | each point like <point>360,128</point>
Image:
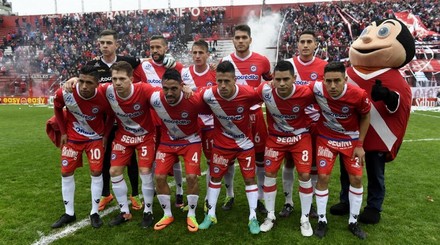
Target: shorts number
<point>249,159</point>
<point>195,157</point>
<point>144,151</point>
<point>257,138</point>
<point>305,156</point>
<point>95,154</point>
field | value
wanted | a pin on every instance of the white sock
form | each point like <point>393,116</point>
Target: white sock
<point>252,197</point>
<point>321,204</point>
<point>147,191</point>
<point>177,170</point>
<point>288,179</point>
<point>192,204</point>
<point>165,203</point>
<point>213,192</point>
<point>270,194</point>
<point>68,191</point>
<point>96,190</point>
<point>260,182</point>
<point>120,189</point>
<point>355,199</point>
<point>229,181</point>
<point>306,197</point>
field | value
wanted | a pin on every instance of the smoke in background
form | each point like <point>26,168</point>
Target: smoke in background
<point>264,33</point>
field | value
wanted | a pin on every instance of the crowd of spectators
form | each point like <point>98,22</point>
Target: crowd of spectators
<point>61,45</point>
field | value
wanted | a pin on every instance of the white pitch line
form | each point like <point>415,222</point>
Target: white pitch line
<point>426,115</point>
<point>419,140</point>
<point>70,229</point>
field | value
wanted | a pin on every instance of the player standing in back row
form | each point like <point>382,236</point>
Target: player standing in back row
<point>250,69</point>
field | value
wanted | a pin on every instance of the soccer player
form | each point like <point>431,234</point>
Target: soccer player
<point>250,69</point>
<point>151,71</point>
<point>308,68</point>
<point>82,130</point>
<point>179,138</point>
<point>346,118</point>
<point>135,132</point>
<point>230,104</point>
<point>198,76</point>
<point>288,135</point>
<point>108,45</point>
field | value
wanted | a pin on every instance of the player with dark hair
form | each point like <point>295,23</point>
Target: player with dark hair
<point>341,131</point>
<point>288,135</point>
<point>250,69</point>
<point>230,104</point>
<point>82,129</point>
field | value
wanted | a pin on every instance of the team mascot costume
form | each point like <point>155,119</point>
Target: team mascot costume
<point>381,49</point>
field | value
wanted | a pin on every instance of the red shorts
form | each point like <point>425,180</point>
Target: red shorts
<point>123,148</point>
<point>71,155</point>
<point>207,135</point>
<point>327,150</point>
<point>298,147</point>
<point>221,159</point>
<point>259,130</point>
<point>167,156</point>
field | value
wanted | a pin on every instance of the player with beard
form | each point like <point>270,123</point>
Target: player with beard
<point>151,71</point>
<point>250,69</point>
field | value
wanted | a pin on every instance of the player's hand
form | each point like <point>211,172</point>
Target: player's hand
<point>213,67</point>
<point>169,61</point>
<point>63,140</point>
<point>70,84</point>
<point>359,153</point>
<point>97,58</point>
<point>379,92</point>
<point>187,91</point>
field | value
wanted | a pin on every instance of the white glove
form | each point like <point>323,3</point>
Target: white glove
<point>169,61</point>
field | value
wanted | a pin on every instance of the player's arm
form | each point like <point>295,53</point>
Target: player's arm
<point>70,84</point>
<point>364,123</point>
<point>139,74</point>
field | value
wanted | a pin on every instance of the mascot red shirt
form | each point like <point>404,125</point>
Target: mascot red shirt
<point>380,50</point>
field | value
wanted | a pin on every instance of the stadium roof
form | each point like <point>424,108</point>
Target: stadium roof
<point>22,7</point>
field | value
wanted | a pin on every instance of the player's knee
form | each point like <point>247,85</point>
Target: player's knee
<point>356,181</point>
<point>249,181</point>
<point>303,176</point>
<point>95,173</point>
<point>144,171</point>
<point>67,174</point>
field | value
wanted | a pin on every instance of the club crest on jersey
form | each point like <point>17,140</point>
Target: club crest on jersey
<point>322,163</point>
<point>216,170</point>
<point>253,68</point>
<point>113,156</point>
<point>296,108</point>
<point>184,114</point>
<point>268,162</point>
<point>240,109</point>
<point>64,162</point>
<point>95,110</point>
<point>314,76</point>
<point>136,106</point>
<point>209,83</point>
<point>345,109</point>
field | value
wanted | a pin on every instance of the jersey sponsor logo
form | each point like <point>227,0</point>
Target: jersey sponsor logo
<point>177,122</point>
<point>240,109</point>
<point>156,103</point>
<point>186,76</point>
<point>80,130</point>
<point>324,152</point>
<point>106,79</point>
<point>253,68</point>
<point>68,152</point>
<point>340,144</point>
<point>134,130</point>
<point>335,115</point>
<point>220,160</point>
<point>84,116</point>
<point>147,65</point>
<point>95,110</point>
<point>154,81</point>
<point>132,140</point>
<point>230,118</point>
<point>130,115</point>
<point>286,117</point>
<point>302,82</point>
<point>313,76</point>
<point>269,152</point>
<point>136,106</point>
<point>345,109</point>
<point>234,136</point>
<point>160,156</point>
<point>356,163</point>
<point>248,77</point>
<point>268,97</point>
<point>118,147</point>
<point>110,97</point>
<point>290,139</point>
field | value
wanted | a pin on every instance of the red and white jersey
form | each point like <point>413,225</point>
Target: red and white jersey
<point>250,70</point>
<point>151,72</point>
<point>340,116</point>
<point>232,129</point>
<point>307,72</point>
<point>286,116</point>
<point>387,128</point>
<point>132,113</point>
<point>85,117</point>
<point>198,81</point>
<point>179,121</point>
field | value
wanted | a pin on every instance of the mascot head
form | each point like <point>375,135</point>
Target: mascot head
<point>384,44</point>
